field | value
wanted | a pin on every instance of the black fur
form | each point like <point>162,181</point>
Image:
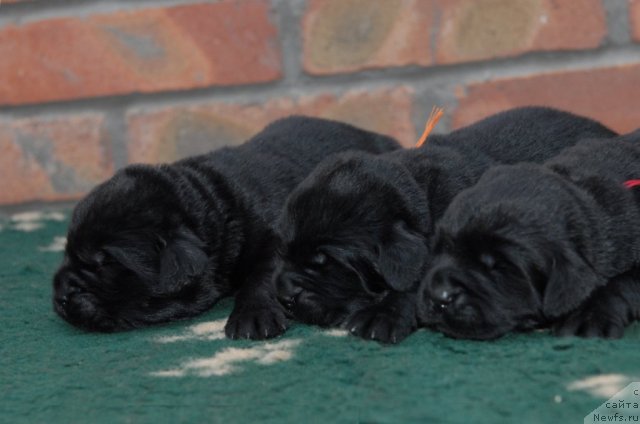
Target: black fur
<point>608,310</point>
<point>161,243</point>
<point>537,245</point>
<point>356,231</point>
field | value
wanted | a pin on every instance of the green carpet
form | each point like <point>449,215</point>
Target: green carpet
<point>186,372</point>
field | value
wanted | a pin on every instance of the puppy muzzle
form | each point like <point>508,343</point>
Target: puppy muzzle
<point>76,305</point>
<point>287,289</point>
<point>444,288</point>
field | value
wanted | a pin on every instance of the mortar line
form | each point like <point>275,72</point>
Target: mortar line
<point>412,76</point>
<point>28,12</point>
<point>288,14</point>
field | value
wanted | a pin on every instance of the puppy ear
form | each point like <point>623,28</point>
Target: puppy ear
<point>569,284</point>
<point>165,265</point>
<point>401,258</point>
<point>136,253</point>
<point>183,257</point>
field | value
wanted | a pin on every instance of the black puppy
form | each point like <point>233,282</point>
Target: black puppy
<point>160,243</point>
<point>356,231</point>
<point>532,246</point>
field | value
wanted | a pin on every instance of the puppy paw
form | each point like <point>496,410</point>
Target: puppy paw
<point>379,325</point>
<point>256,322</point>
<point>590,322</point>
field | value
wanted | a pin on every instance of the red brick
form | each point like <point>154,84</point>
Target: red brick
<point>609,95</point>
<point>351,35</point>
<point>171,133</point>
<point>146,50</point>
<point>483,29</point>
<point>54,159</point>
<point>634,18</point>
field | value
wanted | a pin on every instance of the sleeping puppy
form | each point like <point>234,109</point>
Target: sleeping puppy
<point>356,231</point>
<point>532,246</point>
<point>160,243</point>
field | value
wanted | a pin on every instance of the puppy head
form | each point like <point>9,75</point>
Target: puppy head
<point>130,260</point>
<point>349,236</point>
<point>481,285</point>
<point>499,265</point>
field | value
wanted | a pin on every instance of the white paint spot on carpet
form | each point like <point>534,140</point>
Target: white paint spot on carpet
<point>37,216</point>
<point>208,328</point>
<point>34,220</point>
<point>27,216</point>
<point>336,332</point>
<point>228,360</point>
<point>274,356</point>
<point>57,245</point>
<point>211,330</point>
<point>27,226</point>
<point>604,385</point>
<point>168,373</point>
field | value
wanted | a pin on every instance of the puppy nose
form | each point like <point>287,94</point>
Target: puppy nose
<point>444,289</point>
<point>287,289</point>
<point>61,291</point>
<point>62,301</point>
<point>443,297</point>
<point>64,290</point>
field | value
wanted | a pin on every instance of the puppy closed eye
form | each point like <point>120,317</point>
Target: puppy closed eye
<point>100,259</point>
<point>487,260</point>
<point>496,264</point>
<point>319,259</point>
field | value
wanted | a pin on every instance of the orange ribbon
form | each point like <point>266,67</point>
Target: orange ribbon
<point>434,117</point>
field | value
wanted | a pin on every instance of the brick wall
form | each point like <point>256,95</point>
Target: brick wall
<point>88,86</point>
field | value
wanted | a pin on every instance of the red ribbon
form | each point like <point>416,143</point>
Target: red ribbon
<point>631,183</point>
